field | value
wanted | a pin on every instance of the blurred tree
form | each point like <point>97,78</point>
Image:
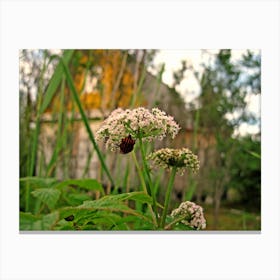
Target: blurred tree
<point>245,171</point>
<point>222,107</point>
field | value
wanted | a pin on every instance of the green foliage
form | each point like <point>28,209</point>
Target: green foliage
<point>87,184</point>
<point>47,196</point>
<point>68,205</point>
<point>218,112</point>
<point>50,191</point>
<point>31,222</point>
<point>245,171</point>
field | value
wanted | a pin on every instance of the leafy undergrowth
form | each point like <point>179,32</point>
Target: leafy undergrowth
<point>47,204</point>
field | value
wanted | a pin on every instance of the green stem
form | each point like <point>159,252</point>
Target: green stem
<point>175,222</point>
<point>147,172</point>
<point>143,184</point>
<point>53,162</point>
<point>167,195</point>
<point>141,177</point>
<point>36,132</point>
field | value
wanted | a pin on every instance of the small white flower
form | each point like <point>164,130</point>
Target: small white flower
<point>139,122</point>
<point>180,158</point>
<point>191,213</point>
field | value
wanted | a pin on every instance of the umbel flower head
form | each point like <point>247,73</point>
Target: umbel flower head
<point>136,123</point>
<point>191,214</point>
<point>180,158</point>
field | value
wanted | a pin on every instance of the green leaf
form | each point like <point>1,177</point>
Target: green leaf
<point>88,184</point>
<point>75,199</point>
<point>105,212</point>
<point>96,219</point>
<point>103,220</point>
<point>94,206</point>
<point>55,80</point>
<point>31,222</point>
<point>48,196</point>
<point>39,182</point>
<point>64,225</point>
<point>254,154</point>
<point>136,223</point>
<point>47,222</point>
<point>136,196</point>
<point>26,221</point>
<point>112,206</point>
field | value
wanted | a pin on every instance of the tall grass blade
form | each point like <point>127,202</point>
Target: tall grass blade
<point>55,80</point>
<point>43,103</point>
<point>85,120</point>
<point>59,140</point>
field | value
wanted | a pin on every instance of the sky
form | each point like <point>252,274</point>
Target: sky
<point>189,87</point>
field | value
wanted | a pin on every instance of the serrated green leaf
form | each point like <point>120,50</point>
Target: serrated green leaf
<point>75,199</point>
<point>26,221</point>
<point>97,218</point>
<point>94,206</point>
<point>113,206</point>
<point>64,225</point>
<point>136,196</point>
<point>140,197</point>
<point>48,196</point>
<point>88,184</point>
<point>136,223</point>
<point>47,222</point>
<point>104,211</point>
<point>31,222</point>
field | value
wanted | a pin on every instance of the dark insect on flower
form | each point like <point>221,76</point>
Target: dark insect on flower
<point>69,218</point>
<point>127,144</point>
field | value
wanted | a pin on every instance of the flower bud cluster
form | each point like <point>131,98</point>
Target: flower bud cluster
<point>180,158</point>
<point>139,122</point>
<point>191,213</point>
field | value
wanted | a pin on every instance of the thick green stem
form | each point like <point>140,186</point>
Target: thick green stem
<point>141,177</point>
<point>147,172</point>
<point>167,196</point>
<point>143,184</point>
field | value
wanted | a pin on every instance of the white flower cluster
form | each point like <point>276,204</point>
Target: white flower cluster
<point>180,158</point>
<point>192,213</point>
<point>139,122</point>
